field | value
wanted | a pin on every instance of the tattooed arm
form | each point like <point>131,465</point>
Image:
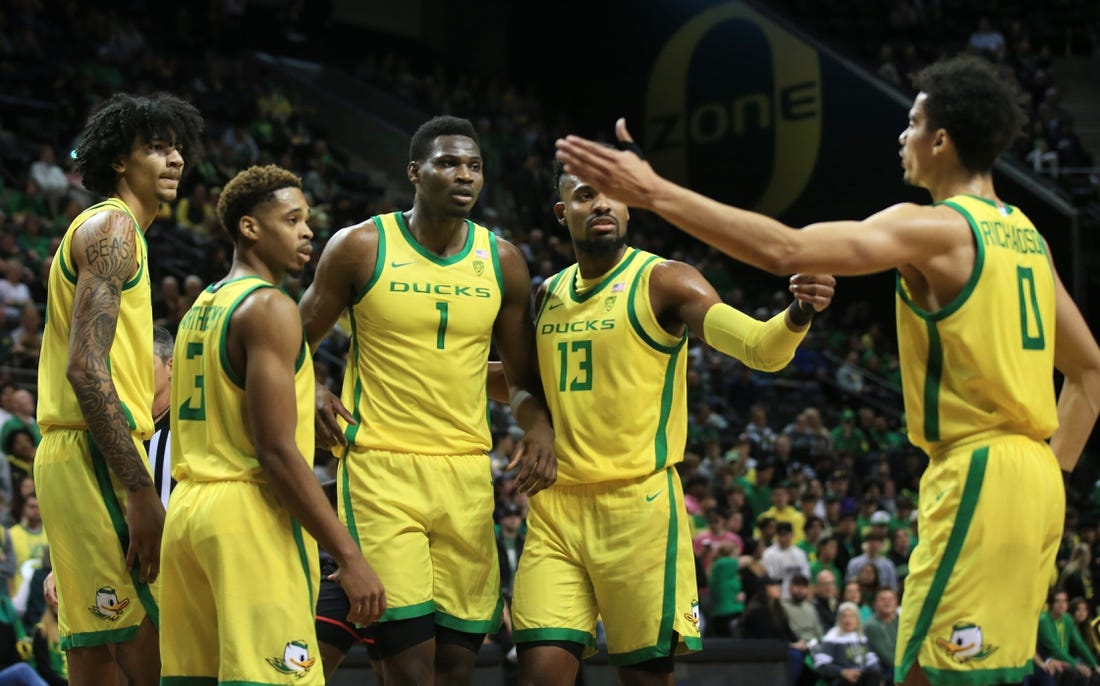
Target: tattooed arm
<point>103,252</point>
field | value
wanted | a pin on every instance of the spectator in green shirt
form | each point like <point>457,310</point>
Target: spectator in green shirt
<point>1059,639</point>
<point>727,595</point>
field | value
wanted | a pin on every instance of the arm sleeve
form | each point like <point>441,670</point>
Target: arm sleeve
<point>768,346</point>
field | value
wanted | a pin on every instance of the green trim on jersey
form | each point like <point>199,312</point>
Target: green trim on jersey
<point>549,290</point>
<point>660,439</point>
<point>429,255</point>
<point>357,391</point>
<point>971,283</point>
<point>933,375</point>
<point>223,352</point>
<point>968,502</point>
<point>632,314</point>
<point>379,262</point>
<point>1009,209</point>
<point>494,250</point>
<point>623,264</point>
<point>61,261</point>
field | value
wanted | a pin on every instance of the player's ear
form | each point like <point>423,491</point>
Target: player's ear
<point>249,227</point>
<point>559,212</point>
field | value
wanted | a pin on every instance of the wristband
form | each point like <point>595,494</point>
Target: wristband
<point>801,313</point>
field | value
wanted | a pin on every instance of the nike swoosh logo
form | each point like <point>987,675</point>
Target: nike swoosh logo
<point>395,265</point>
<point>555,306</point>
<point>651,498</point>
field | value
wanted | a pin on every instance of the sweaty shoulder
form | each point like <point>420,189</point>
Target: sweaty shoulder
<point>355,242</point>
<point>941,221</point>
<point>266,311</point>
<point>513,267</point>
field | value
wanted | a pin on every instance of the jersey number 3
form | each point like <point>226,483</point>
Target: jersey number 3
<point>195,407</point>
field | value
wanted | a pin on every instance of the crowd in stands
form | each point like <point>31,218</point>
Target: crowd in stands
<point>801,485</point>
<point>1019,38</point>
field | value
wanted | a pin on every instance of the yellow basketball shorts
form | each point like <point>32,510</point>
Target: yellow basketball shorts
<point>239,583</point>
<point>84,512</point>
<point>620,551</point>
<point>990,520</point>
<point>425,524</point>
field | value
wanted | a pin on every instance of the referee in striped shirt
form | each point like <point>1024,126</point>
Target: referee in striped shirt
<point>159,446</point>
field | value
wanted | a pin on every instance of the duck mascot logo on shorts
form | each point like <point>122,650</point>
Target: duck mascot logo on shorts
<point>693,616</point>
<point>107,605</point>
<point>295,659</point>
<point>966,644</point>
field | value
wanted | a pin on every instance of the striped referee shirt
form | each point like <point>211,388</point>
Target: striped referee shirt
<point>159,448</point>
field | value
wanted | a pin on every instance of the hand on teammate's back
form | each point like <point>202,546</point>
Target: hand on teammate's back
<point>537,464</point>
<point>327,429</point>
<point>366,596</point>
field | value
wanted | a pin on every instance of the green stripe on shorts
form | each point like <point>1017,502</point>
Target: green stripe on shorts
<point>965,514</point>
<point>118,520</point>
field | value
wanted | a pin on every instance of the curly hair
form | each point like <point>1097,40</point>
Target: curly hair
<point>249,188</point>
<point>444,125</point>
<point>980,112</point>
<point>118,121</point>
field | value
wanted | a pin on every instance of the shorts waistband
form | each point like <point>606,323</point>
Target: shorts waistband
<point>978,440</point>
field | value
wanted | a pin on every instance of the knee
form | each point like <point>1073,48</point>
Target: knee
<point>399,671</point>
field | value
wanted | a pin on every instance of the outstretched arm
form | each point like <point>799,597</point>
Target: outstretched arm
<point>903,234</point>
<point>103,251</point>
<point>261,349</point>
<point>1077,356</point>
<point>514,336</point>
<point>681,295</point>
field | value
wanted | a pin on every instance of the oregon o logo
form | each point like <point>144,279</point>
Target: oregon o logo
<point>736,93</point>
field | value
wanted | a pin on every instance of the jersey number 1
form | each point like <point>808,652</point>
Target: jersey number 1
<point>1031,324</point>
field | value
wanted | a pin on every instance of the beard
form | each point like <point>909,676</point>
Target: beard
<point>602,247</point>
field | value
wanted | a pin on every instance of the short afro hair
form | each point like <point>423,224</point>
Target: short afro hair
<point>444,125</point>
<point>249,188</point>
<point>980,112</point>
<point>121,119</point>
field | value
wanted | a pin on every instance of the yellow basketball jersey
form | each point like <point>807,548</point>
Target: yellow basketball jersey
<point>615,380</point>
<point>131,356</point>
<point>421,332</point>
<point>211,435</point>
<point>984,363</point>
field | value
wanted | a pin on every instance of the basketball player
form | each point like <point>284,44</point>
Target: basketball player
<point>240,575</point>
<point>102,515</point>
<point>983,321</point>
<point>429,290</point>
<point>611,538</point>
